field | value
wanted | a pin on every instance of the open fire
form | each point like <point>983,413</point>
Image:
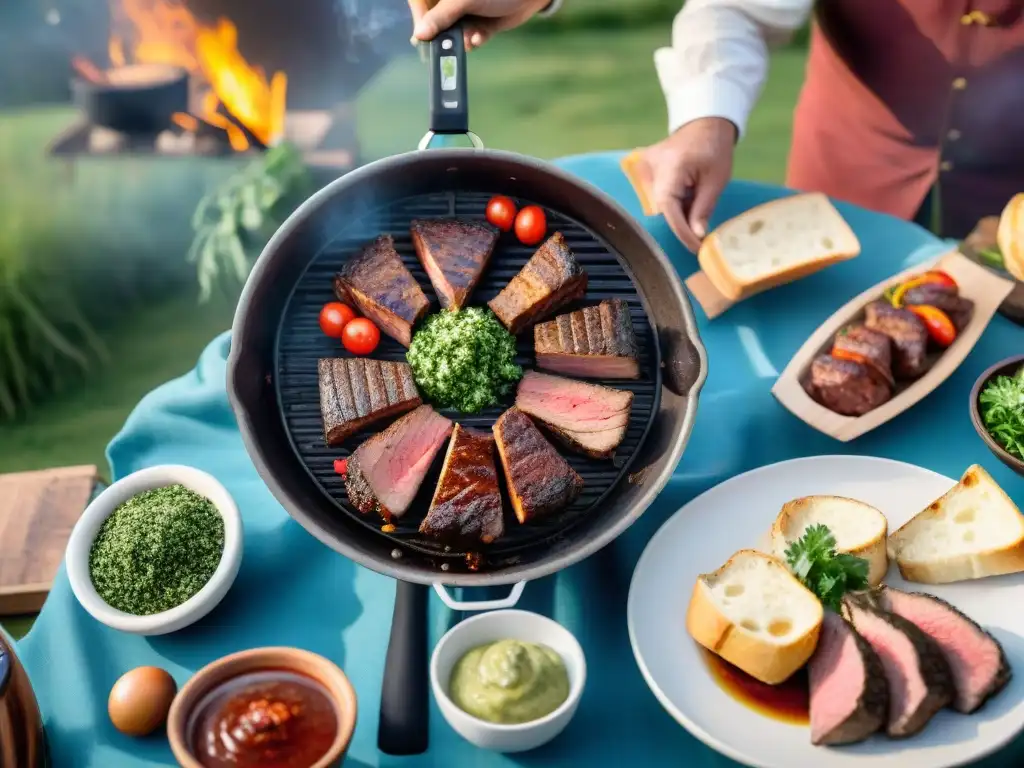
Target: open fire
<point>226,91</point>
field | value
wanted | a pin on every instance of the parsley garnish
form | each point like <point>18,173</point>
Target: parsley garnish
<point>1001,405</point>
<point>828,574</point>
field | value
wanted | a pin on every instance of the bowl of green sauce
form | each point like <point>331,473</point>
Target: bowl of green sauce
<point>156,551</point>
<point>508,681</point>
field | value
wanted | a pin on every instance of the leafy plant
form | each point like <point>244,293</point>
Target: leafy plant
<point>827,573</point>
<point>233,222</point>
<point>1001,404</point>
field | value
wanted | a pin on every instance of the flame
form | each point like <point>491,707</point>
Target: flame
<point>166,32</point>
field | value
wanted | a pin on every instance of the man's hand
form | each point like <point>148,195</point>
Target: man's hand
<point>689,171</point>
<point>489,17</point>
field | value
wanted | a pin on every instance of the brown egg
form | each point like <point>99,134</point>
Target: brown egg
<point>140,700</point>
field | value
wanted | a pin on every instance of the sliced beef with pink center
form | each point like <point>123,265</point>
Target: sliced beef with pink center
<point>385,472</point>
<point>849,692</point>
<point>975,658</point>
<point>920,682</point>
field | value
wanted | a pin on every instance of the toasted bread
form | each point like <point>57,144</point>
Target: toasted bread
<point>971,532</point>
<point>756,615</point>
<point>636,169</point>
<point>1010,236</point>
<point>859,529</point>
<point>776,243</point>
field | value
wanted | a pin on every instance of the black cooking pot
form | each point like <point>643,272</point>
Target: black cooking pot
<point>135,99</point>
<point>276,341</point>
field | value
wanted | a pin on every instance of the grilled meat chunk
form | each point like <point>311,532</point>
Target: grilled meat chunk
<point>944,297</point>
<point>549,280</point>
<point>356,392</point>
<point>594,343</point>
<point>589,418</point>
<point>920,681</point>
<point>466,508</point>
<point>849,693</point>
<point>908,334</point>
<point>845,386</point>
<point>386,471</point>
<point>376,282</point>
<point>979,666</point>
<point>870,348</point>
<point>454,254</point>
<point>540,481</point>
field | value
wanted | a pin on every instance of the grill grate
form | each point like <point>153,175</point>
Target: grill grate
<point>300,344</point>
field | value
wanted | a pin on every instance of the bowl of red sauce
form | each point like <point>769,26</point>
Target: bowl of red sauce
<point>280,707</point>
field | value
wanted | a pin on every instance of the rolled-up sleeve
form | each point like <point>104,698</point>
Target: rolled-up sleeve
<point>718,61</point>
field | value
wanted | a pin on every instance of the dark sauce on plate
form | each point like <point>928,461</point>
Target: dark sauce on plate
<point>788,701</point>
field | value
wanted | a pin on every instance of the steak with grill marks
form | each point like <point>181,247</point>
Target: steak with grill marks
<point>454,254</point>
<point>540,482</point>
<point>466,508</point>
<point>593,342</point>
<point>979,666</point>
<point>384,473</point>
<point>908,333</point>
<point>845,386</point>
<point>549,280</point>
<point>356,392</point>
<point>849,692</point>
<point>920,681</point>
<point>376,282</point>
<point>589,418</point>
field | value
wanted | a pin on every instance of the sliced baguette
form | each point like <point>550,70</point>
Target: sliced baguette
<point>973,531</point>
<point>859,529</point>
<point>756,615</point>
<point>1010,236</point>
<point>776,243</point>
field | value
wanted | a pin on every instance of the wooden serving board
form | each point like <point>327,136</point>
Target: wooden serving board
<point>37,512</point>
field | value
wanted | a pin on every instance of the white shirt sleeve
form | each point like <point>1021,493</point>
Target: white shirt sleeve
<point>550,9</point>
<point>718,61</point>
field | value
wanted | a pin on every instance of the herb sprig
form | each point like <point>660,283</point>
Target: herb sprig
<point>1001,406</point>
<point>827,573</point>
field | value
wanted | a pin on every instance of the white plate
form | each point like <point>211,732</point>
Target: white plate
<point>701,536</point>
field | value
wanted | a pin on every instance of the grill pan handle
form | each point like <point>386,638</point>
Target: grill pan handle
<point>481,605</point>
<point>404,725</point>
<point>449,91</point>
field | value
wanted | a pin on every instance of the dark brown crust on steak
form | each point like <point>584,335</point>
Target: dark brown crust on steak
<point>845,386</point>
<point>359,492</point>
<point>873,347</point>
<point>909,337</point>
<point>356,392</point>
<point>944,297</point>
<point>454,253</point>
<point>549,280</point>
<point>540,481</point>
<point>604,330</point>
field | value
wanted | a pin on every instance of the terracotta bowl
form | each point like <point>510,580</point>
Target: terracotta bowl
<point>328,674</point>
<point>1005,367</point>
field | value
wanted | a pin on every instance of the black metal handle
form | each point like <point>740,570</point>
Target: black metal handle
<point>681,364</point>
<point>5,670</point>
<point>404,726</point>
<point>449,94</point>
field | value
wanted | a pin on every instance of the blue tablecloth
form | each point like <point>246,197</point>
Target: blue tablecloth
<point>294,591</point>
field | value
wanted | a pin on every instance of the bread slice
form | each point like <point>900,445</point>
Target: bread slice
<point>859,529</point>
<point>776,243</point>
<point>756,615</point>
<point>638,172</point>
<point>973,531</point>
<point>1010,236</point>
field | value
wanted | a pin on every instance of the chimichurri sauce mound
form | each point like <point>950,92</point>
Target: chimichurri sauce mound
<point>464,359</point>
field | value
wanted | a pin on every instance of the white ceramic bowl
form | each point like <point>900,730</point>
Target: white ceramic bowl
<point>205,600</point>
<point>507,625</point>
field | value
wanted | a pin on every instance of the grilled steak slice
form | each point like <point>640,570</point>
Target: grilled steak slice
<point>466,508</point>
<point>355,392</point>
<point>376,282</point>
<point>549,280</point>
<point>540,482</point>
<point>849,693</point>
<point>944,297</point>
<point>871,348</point>
<point>908,334</point>
<point>386,471</point>
<point>594,342</point>
<point>979,666</point>
<point>845,386</point>
<point>920,681</point>
<point>454,254</point>
<point>589,418</point>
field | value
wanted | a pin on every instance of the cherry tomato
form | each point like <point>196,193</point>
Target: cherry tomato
<point>360,336</point>
<point>341,466</point>
<point>501,212</point>
<point>531,225</point>
<point>334,317</point>
<point>940,327</point>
